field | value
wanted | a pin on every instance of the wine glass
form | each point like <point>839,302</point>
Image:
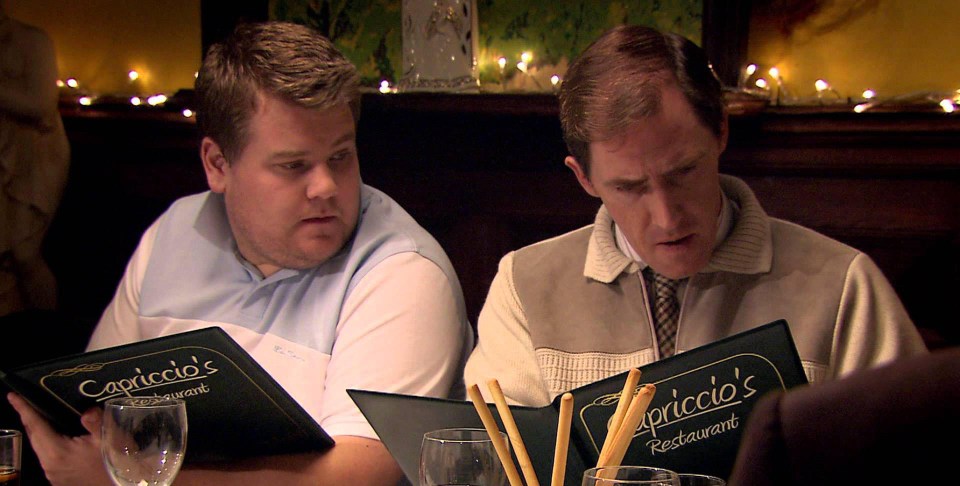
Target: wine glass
<point>460,457</point>
<point>11,442</point>
<point>635,475</point>
<point>687,479</point>
<point>143,440</point>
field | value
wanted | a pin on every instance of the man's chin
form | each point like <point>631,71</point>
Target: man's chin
<point>311,258</point>
<point>305,264</point>
<point>678,261</point>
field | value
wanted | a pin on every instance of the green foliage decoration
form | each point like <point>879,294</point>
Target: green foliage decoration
<point>368,31</point>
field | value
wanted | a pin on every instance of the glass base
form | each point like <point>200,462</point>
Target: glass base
<point>463,84</point>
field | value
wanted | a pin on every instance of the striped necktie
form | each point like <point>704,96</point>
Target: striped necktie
<point>666,310</point>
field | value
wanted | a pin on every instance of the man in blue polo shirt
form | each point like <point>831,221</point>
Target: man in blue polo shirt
<point>326,282</point>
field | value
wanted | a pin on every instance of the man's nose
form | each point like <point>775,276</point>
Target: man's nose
<point>321,183</point>
<point>666,209</point>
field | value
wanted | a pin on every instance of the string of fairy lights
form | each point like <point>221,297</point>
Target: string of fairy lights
<point>71,89</point>
<point>773,86</point>
<point>762,83</point>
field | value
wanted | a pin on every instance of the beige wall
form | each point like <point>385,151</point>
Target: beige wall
<point>895,47</point>
<point>99,41</point>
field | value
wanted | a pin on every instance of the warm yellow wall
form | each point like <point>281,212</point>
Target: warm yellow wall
<point>99,41</point>
<point>892,46</point>
<point>895,47</point>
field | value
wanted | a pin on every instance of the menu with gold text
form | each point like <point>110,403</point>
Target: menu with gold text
<point>693,425</point>
<point>234,408</point>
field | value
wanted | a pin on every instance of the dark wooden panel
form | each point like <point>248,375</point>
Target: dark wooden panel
<point>726,27</point>
<point>219,17</point>
<point>485,175</point>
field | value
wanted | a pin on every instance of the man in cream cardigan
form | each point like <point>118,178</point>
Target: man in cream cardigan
<point>643,118</point>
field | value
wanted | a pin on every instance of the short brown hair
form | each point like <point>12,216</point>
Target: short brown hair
<point>617,81</point>
<point>289,61</point>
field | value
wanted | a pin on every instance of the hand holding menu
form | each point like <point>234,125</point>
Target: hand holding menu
<point>234,408</point>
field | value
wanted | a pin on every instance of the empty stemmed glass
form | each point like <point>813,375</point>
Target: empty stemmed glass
<point>143,440</point>
<point>635,475</point>
<point>461,457</point>
<point>687,479</point>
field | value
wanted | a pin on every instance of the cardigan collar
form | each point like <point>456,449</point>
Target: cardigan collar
<point>748,249</point>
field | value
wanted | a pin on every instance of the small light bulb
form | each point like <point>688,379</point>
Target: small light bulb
<point>157,99</point>
<point>502,62</point>
<point>522,66</point>
<point>862,107</point>
<point>135,101</point>
<point>196,74</point>
<point>526,57</point>
<point>761,83</point>
<point>85,100</point>
<point>774,73</point>
<point>384,86</point>
<point>947,105</point>
<point>73,83</point>
<point>869,94</point>
<point>554,80</point>
<point>187,113</point>
<point>751,68</point>
<point>60,84</point>
<point>821,85</point>
<point>133,75</point>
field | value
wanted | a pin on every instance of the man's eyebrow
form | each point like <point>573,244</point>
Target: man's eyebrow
<point>627,181</point>
<point>346,137</point>
<point>687,162</point>
<point>289,154</point>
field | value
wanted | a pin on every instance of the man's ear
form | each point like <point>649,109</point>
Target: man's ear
<point>582,177</point>
<point>214,164</point>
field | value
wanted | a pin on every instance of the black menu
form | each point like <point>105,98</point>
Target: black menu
<point>234,408</point>
<point>694,423</point>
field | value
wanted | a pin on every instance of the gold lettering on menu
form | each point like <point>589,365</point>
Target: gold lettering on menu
<point>715,398</point>
<point>683,438</point>
<point>146,380</point>
<point>722,393</point>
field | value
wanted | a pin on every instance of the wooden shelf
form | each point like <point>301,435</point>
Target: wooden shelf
<point>797,119</point>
